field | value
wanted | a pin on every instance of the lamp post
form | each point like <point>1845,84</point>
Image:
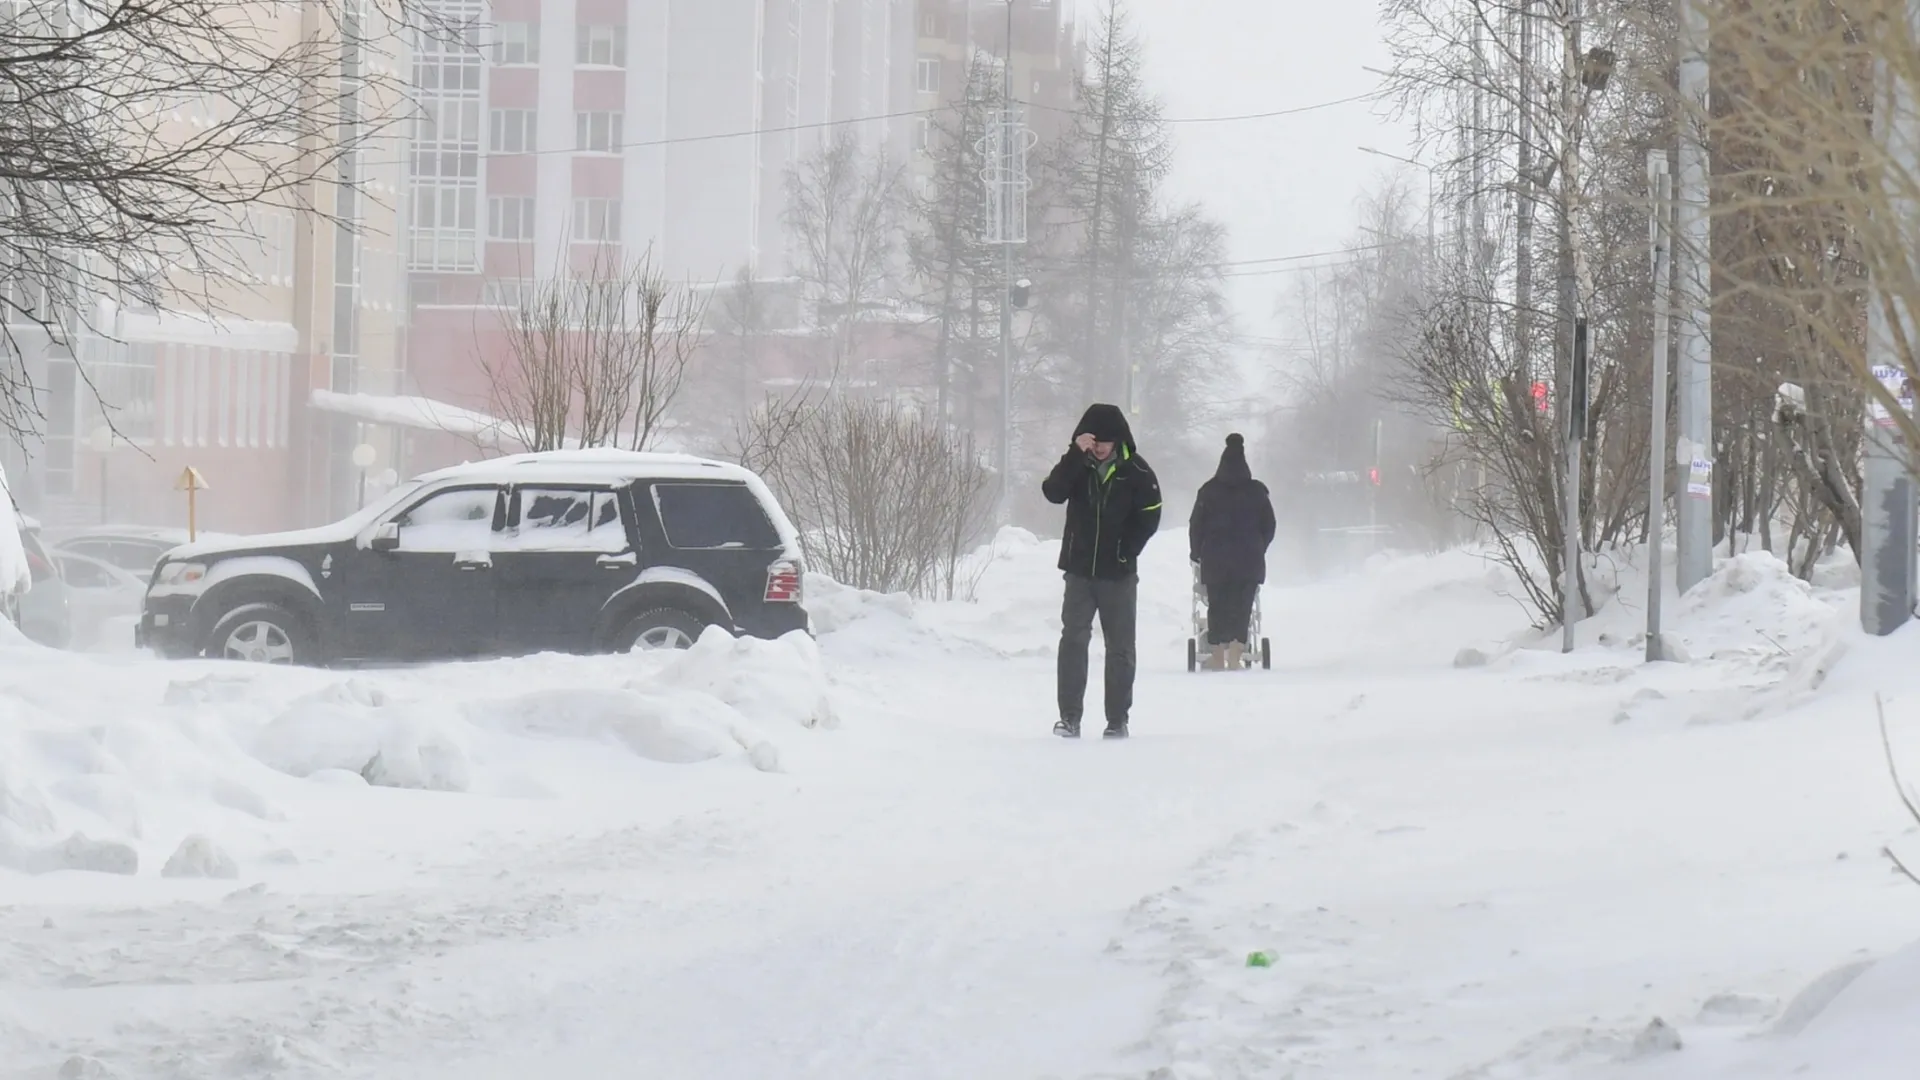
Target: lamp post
<point>364,456</point>
<point>101,442</point>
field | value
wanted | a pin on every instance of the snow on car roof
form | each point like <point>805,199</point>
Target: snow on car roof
<point>605,465</point>
<point>595,464</point>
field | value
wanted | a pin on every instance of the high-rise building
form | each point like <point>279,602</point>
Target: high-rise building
<point>578,132</point>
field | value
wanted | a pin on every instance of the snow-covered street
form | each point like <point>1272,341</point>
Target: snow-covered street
<point>711,865</point>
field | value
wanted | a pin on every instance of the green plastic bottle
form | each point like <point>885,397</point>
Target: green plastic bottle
<point>1259,959</point>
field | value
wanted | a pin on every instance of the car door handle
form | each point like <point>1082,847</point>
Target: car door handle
<point>617,562</point>
<point>473,564</point>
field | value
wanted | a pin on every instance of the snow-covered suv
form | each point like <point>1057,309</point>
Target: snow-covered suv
<point>569,551</point>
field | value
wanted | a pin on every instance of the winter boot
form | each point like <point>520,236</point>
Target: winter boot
<point>1235,653</point>
<point>1116,729</point>
<point>1216,658</point>
<point>1068,727</point>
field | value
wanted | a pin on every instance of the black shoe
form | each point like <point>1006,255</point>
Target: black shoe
<point>1116,729</point>
<point>1067,728</point>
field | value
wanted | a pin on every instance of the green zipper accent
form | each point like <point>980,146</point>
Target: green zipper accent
<point>1093,561</point>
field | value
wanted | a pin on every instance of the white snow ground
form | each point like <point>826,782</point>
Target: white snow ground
<point>869,859</point>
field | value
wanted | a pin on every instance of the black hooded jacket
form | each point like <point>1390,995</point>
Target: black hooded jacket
<point>1113,506</point>
<point>1232,524</point>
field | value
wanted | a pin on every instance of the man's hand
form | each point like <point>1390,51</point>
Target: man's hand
<point>1085,442</point>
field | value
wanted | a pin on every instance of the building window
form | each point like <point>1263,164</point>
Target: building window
<point>930,25</point>
<point>516,43</point>
<point>601,45</point>
<point>513,131</point>
<point>510,217</point>
<point>927,75</point>
<point>596,220</point>
<point>444,166</point>
<point>597,131</point>
<point>510,293</point>
<point>923,134</point>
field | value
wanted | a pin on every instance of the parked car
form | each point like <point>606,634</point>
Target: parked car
<point>133,548</point>
<point>98,593</point>
<point>571,551</point>
<point>45,613</point>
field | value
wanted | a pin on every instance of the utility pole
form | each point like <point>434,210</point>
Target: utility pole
<point>1693,260</point>
<point>1572,394</point>
<point>1887,556</point>
<point>1006,281</point>
<point>1660,193</point>
<point>1523,207</point>
<point>1005,148</point>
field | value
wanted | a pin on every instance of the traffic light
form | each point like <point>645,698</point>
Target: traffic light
<point>1019,294</point>
<point>1373,476</point>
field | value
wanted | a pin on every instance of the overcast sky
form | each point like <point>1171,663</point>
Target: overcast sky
<point>1286,185</point>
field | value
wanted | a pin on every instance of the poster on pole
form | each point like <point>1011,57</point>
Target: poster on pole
<point>1700,479</point>
<point>1898,386</point>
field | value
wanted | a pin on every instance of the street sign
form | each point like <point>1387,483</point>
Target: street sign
<point>192,483</point>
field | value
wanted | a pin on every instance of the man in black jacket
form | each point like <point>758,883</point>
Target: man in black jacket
<point>1113,509</point>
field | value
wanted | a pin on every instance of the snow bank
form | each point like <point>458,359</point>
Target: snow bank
<point>1853,1023</point>
<point>203,769</point>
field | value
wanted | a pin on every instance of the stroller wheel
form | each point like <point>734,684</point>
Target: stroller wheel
<point>1266,655</point>
<point>1193,655</point>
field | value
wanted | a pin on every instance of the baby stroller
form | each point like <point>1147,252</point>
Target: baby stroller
<point>1197,641</point>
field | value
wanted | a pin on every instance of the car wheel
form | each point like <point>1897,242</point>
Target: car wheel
<point>660,628</point>
<point>261,634</point>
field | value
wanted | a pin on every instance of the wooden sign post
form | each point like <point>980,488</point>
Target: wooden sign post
<point>191,482</point>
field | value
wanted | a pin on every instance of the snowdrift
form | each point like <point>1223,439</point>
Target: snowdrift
<point>128,765</point>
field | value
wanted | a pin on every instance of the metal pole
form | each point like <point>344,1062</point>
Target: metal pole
<point>103,489</point>
<point>1887,570</point>
<point>1660,188</point>
<point>1571,392</point>
<point>1006,279</point>
<point>1692,258</point>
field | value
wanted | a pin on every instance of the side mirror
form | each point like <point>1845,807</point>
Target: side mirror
<point>387,537</point>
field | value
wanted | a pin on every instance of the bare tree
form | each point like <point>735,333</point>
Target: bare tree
<point>137,135</point>
<point>956,271</point>
<point>597,359</point>
<point>885,500</point>
<point>842,209</point>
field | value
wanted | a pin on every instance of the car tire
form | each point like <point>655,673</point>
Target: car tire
<point>660,628</point>
<point>261,633</point>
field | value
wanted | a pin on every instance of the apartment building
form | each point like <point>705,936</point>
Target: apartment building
<point>657,126</point>
<point>949,36</point>
<point>220,377</point>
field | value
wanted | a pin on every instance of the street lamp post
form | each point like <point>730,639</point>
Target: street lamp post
<point>364,456</point>
<point>101,442</point>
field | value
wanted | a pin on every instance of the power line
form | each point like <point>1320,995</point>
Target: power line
<point>679,140</point>
<point>1294,111</point>
<point>1302,258</point>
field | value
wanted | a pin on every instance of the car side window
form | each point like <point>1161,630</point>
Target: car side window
<point>460,519</point>
<point>136,557</point>
<point>84,575</point>
<point>706,516</point>
<point>568,519</point>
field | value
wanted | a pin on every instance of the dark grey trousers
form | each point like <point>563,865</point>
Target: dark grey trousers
<point>1117,603</point>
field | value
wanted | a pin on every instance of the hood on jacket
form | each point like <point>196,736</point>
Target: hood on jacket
<point>1106,423</point>
<point>1233,462</point>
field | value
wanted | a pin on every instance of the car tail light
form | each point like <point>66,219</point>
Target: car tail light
<point>783,583</point>
<point>38,568</point>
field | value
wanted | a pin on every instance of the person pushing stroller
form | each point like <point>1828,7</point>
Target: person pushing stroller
<point>1228,535</point>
